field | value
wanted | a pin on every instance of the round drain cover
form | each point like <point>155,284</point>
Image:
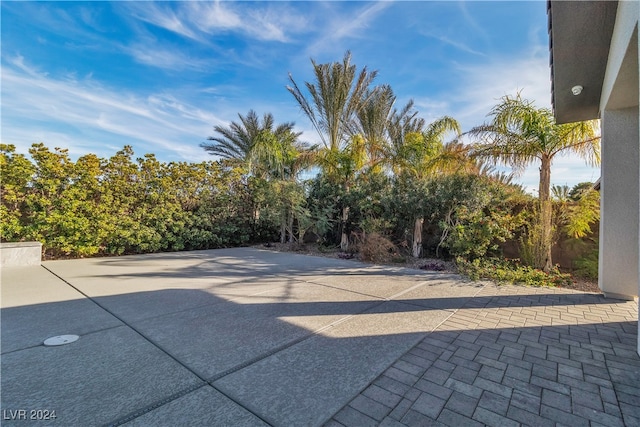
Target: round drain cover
<point>61,340</point>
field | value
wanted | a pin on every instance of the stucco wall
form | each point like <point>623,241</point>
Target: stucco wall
<point>620,203</point>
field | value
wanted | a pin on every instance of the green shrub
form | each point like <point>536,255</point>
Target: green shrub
<point>510,271</point>
<point>473,214</point>
<point>121,206</point>
<point>587,265</point>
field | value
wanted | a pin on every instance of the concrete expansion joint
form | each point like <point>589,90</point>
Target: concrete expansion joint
<point>21,349</point>
<point>130,417</point>
<point>245,407</point>
<point>342,289</point>
<point>287,345</point>
<point>412,288</point>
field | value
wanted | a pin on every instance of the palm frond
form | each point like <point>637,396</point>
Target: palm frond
<point>334,99</point>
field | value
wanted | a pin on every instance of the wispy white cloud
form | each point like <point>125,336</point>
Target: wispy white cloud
<point>214,17</point>
<point>480,87</point>
<point>471,22</point>
<point>150,53</point>
<point>197,20</point>
<point>160,15</point>
<point>456,44</point>
<point>153,122</point>
<point>341,26</point>
<point>18,62</point>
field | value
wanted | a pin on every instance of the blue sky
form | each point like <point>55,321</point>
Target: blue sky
<point>95,76</point>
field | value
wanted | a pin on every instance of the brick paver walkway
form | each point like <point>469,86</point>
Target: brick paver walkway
<point>514,356</point>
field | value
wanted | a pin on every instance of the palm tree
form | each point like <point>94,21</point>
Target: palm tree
<point>331,105</point>
<point>372,121</point>
<point>267,152</point>
<point>247,142</point>
<point>421,155</point>
<point>335,98</point>
<point>285,157</point>
<point>520,134</point>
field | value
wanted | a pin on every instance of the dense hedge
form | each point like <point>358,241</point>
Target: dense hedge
<point>119,205</point>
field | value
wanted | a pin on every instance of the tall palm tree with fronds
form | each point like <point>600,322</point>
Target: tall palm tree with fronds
<point>282,157</point>
<point>334,99</point>
<point>251,142</point>
<point>520,134</point>
<point>420,155</point>
<point>372,121</point>
<point>267,151</point>
<point>331,105</point>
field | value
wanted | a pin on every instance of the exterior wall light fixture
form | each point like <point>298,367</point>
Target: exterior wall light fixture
<point>576,90</point>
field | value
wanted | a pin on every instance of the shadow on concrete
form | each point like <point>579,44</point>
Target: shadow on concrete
<point>290,354</point>
<point>248,262</point>
<point>309,357</point>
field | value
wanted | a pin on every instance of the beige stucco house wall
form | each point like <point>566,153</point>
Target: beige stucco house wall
<point>594,45</point>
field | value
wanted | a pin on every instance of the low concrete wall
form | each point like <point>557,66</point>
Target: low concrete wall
<point>20,254</point>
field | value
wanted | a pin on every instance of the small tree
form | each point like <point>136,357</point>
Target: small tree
<point>331,105</point>
<point>421,155</point>
<point>520,134</point>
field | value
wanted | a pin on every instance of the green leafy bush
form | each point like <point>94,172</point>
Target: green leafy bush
<point>121,206</point>
<point>473,213</point>
<point>510,271</point>
<point>587,265</point>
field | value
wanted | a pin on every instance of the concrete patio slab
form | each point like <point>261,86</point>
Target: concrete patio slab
<point>154,271</point>
<point>41,305</point>
<point>228,273</point>
<point>369,282</point>
<point>136,301</point>
<point>220,337</point>
<point>93,381</point>
<point>330,366</point>
<point>129,287</point>
<point>443,292</point>
<point>202,407</point>
<point>290,263</point>
<point>252,337</point>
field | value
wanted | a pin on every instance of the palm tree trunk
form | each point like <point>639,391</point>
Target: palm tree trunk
<point>417,237</point>
<point>283,229</point>
<point>344,239</point>
<point>291,235</point>
<point>283,224</point>
<point>546,215</point>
